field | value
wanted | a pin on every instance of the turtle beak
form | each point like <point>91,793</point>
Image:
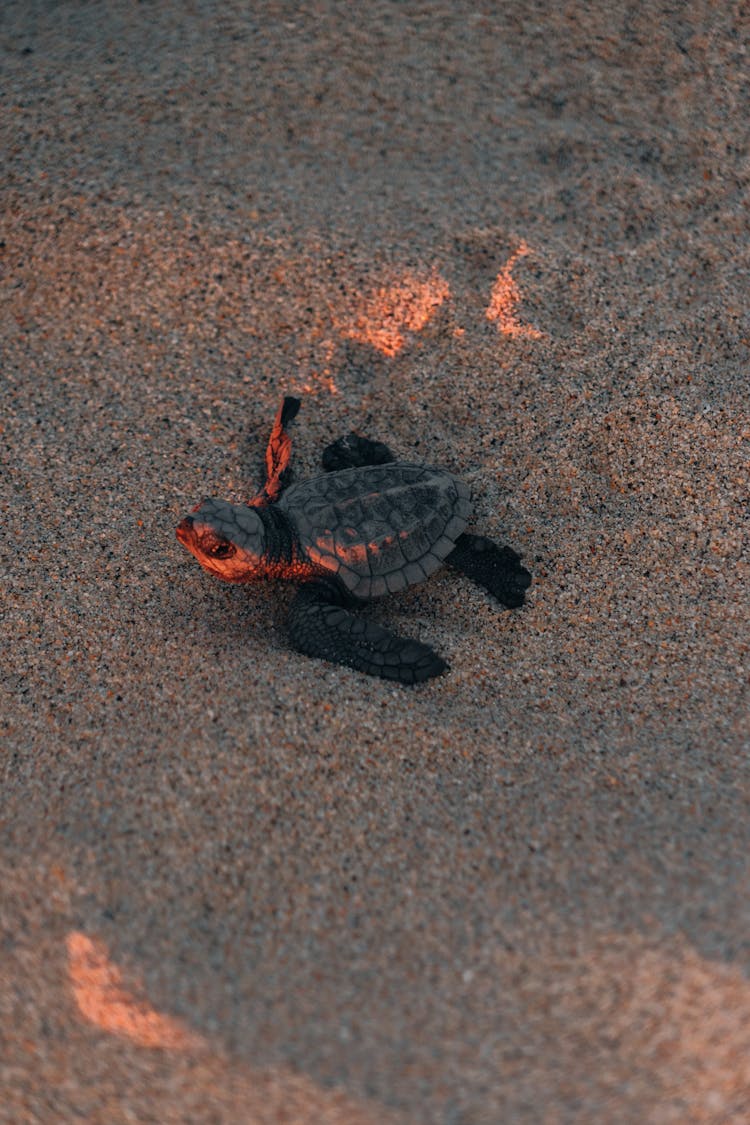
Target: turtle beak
<point>184,531</point>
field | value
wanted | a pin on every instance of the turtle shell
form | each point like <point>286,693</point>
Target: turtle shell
<point>379,528</point>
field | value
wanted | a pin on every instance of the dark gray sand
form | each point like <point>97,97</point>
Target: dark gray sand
<point>239,885</point>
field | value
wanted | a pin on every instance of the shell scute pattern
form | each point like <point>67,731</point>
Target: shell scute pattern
<point>381,527</point>
<point>414,572</point>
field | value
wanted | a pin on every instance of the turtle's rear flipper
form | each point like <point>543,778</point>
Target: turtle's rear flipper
<point>354,452</point>
<point>319,625</point>
<point>496,568</point>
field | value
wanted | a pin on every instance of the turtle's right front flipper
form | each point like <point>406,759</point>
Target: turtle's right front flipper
<point>320,625</point>
<point>354,452</point>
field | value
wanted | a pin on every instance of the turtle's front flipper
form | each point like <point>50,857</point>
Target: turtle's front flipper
<point>278,454</point>
<point>496,568</point>
<point>354,452</point>
<point>320,625</point>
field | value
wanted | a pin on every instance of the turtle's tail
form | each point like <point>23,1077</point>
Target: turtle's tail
<point>278,453</point>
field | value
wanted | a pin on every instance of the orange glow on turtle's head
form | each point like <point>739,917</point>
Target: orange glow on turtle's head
<point>228,540</point>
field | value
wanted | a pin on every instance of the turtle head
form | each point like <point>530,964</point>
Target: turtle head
<point>228,540</point>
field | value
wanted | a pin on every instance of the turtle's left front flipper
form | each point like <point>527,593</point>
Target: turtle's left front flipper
<point>320,625</point>
<point>498,569</point>
<point>278,454</point>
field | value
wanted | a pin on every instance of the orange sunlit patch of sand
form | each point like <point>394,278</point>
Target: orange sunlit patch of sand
<point>657,1016</point>
<point>505,299</point>
<point>392,311</point>
<point>102,1000</point>
<point>215,1084</point>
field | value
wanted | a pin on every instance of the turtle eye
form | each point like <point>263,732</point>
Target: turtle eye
<point>223,550</point>
<point>220,549</point>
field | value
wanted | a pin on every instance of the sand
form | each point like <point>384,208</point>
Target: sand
<point>239,885</point>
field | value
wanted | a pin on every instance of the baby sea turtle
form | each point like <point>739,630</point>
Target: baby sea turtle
<point>369,526</point>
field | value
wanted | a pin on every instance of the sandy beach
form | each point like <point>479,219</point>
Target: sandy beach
<point>240,885</point>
